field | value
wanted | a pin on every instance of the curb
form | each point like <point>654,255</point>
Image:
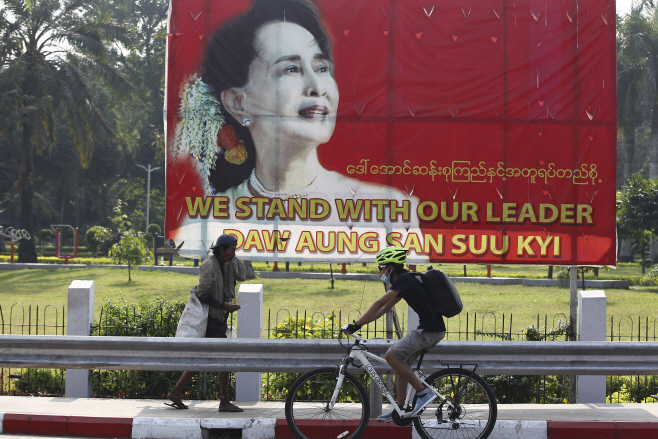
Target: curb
<point>270,428</point>
<point>77,426</point>
<point>602,430</point>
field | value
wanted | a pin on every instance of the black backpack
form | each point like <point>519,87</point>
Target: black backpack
<point>444,295</point>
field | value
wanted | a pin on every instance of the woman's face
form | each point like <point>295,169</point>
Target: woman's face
<point>291,90</point>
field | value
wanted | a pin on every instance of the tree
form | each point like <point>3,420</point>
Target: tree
<point>637,211</point>
<point>49,54</point>
<point>132,250</point>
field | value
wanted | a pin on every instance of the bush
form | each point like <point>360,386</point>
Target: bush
<point>153,229</point>
<point>99,240</point>
<point>316,326</point>
<point>149,318</point>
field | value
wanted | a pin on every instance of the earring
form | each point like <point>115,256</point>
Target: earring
<point>246,122</point>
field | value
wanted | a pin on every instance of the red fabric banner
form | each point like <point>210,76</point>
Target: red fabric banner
<point>482,133</point>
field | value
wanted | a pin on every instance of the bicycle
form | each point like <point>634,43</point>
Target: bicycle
<point>330,402</point>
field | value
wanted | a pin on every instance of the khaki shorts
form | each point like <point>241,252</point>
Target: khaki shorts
<point>408,348</point>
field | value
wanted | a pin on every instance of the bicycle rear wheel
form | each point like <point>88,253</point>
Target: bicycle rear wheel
<point>473,412</point>
<point>307,410</point>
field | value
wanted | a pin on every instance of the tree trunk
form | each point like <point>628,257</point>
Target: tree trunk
<point>25,187</point>
<point>625,251</point>
<point>653,162</point>
<point>629,154</point>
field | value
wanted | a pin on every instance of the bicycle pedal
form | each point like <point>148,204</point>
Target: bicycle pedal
<point>384,421</point>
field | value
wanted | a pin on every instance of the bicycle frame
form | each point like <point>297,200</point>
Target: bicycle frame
<point>356,352</point>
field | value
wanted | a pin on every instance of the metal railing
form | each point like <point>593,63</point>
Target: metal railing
<point>20,319</point>
<point>253,355</point>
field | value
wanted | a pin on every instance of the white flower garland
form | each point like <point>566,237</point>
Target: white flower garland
<point>200,119</point>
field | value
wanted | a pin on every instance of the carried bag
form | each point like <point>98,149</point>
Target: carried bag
<point>444,297</point>
<point>194,319</point>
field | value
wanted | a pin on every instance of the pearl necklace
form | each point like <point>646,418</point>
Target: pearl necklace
<point>284,195</point>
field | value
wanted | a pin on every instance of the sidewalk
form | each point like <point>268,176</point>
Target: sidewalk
<point>129,418</point>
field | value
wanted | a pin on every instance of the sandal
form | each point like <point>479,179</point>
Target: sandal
<point>232,408</point>
<point>176,405</point>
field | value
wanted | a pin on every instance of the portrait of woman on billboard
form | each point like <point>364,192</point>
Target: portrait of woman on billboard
<point>265,100</point>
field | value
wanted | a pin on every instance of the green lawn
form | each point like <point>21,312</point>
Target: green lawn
<point>43,287</point>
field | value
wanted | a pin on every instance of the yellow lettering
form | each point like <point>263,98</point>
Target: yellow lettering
<point>483,244</point>
<point>402,210</point>
<point>566,214</point>
<point>200,206</point>
<point>305,242</point>
<point>509,210</point>
<point>584,211</point>
<point>253,240</point>
<point>436,244</point>
<point>543,245</point>
<point>220,207</point>
<point>381,211</point>
<point>349,208</point>
<point>524,246</point>
<point>412,242</point>
<point>350,242</point>
<point>459,246</point>
<point>527,212</point>
<point>276,208</point>
<point>434,211</point>
<point>260,206</point>
<point>299,207</point>
<point>320,209</point>
<point>244,210</point>
<point>368,242</point>
<point>490,214</point>
<point>393,239</point>
<point>469,209</point>
<point>543,218</point>
<point>319,239</point>
<point>494,248</point>
<point>444,211</point>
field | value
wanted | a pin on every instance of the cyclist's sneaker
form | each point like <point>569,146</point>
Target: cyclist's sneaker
<point>387,417</point>
<point>421,403</point>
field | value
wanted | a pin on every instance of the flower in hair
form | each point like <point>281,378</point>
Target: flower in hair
<point>200,119</point>
<point>235,151</point>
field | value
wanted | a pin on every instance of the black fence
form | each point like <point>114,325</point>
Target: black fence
<point>44,320</point>
<point>160,318</point>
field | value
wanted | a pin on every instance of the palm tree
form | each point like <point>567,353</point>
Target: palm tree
<point>635,91</point>
<point>51,52</point>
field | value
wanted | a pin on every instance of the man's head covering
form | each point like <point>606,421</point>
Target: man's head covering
<point>225,240</point>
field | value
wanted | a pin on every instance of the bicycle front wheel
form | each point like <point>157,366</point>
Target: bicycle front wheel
<point>469,411</point>
<point>307,406</point>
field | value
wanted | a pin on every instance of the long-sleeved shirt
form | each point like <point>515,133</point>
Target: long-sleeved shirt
<point>217,286</point>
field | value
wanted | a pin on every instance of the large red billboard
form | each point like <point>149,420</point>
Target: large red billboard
<point>466,132</point>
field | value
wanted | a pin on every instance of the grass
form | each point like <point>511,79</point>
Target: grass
<point>43,287</point>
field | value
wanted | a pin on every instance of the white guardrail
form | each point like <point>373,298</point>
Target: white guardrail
<point>276,355</point>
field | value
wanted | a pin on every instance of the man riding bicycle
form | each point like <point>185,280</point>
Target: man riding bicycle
<point>401,284</point>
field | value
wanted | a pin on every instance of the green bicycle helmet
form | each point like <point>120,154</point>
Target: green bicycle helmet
<point>392,255</point>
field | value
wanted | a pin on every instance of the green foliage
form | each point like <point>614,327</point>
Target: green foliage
<point>317,326</point>
<point>99,240</point>
<point>520,389</point>
<point>626,389</point>
<point>154,228</point>
<point>148,318</point>
<point>56,260</point>
<point>39,382</point>
<point>44,236</point>
<point>131,250</point>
